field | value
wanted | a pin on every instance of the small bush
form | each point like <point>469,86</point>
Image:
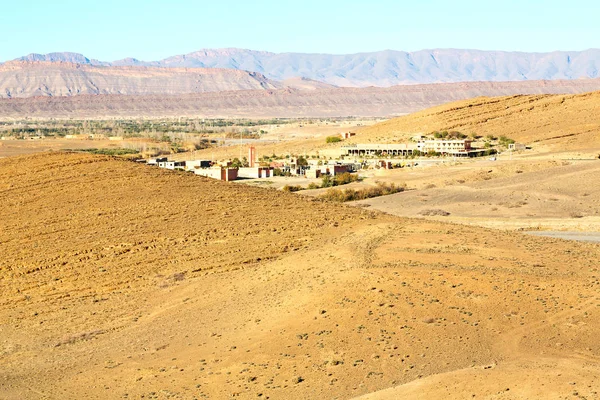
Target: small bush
<point>431,213</point>
<point>505,141</point>
<point>292,188</point>
<point>338,180</point>
<point>345,178</point>
<point>333,139</point>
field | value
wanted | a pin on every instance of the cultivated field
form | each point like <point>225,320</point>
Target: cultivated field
<point>11,148</point>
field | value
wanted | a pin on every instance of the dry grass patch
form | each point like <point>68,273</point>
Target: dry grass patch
<point>380,189</point>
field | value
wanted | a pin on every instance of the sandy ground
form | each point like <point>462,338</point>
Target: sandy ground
<point>518,194</point>
<point>593,237</point>
<point>125,281</point>
<point>11,148</point>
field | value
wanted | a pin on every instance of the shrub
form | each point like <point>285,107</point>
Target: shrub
<point>456,135</point>
<point>431,213</point>
<point>292,188</point>
<point>345,178</point>
<point>277,172</point>
<point>333,139</point>
<point>237,163</point>
<point>380,189</point>
<point>327,181</point>
<point>505,141</point>
<point>302,162</point>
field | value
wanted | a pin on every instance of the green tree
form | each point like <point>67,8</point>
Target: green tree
<point>302,162</point>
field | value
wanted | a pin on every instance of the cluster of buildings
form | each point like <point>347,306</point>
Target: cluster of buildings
<point>224,171</point>
<point>374,155</point>
<point>199,167</point>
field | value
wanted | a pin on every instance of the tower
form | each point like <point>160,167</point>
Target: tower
<point>252,156</point>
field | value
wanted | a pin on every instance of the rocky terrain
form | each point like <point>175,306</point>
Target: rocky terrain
<point>299,98</point>
<point>382,68</point>
<point>124,281</point>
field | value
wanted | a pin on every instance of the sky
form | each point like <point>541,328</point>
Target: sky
<point>151,30</point>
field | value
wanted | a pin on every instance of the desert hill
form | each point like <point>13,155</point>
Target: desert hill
<point>120,280</point>
<point>381,68</point>
<point>300,98</point>
<point>566,120</point>
<point>42,78</point>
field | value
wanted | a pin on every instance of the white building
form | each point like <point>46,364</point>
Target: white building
<point>172,165</point>
<point>452,147</point>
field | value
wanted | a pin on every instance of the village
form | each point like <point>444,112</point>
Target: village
<point>349,158</point>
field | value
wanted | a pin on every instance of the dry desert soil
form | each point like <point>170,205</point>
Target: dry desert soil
<point>123,281</point>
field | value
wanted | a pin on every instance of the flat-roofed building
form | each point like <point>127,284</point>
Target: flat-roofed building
<point>451,147</point>
<point>190,165</point>
<point>223,174</point>
<point>255,172</point>
<point>373,149</point>
<point>517,147</point>
<point>172,165</point>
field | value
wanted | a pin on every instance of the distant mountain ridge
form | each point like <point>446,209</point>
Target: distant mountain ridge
<point>384,68</point>
<point>19,79</point>
<point>285,103</point>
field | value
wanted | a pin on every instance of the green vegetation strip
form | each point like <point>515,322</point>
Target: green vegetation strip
<point>107,152</point>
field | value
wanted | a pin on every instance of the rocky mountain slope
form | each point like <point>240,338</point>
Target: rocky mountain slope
<point>288,102</point>
<point>383,68</point>
<point>57,78</point>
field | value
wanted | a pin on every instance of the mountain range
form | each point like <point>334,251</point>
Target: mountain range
<point>285,103</point>
<point>383,68</point>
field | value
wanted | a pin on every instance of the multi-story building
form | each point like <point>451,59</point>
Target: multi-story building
<point>452,147</point>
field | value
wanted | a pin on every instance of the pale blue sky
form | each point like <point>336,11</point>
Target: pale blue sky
<point>154,29</point>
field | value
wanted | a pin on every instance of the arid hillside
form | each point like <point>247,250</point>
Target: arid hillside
<point>571,121</point>
<point>124,281</point>
<point>300,98</point>
<point>20,79</point>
